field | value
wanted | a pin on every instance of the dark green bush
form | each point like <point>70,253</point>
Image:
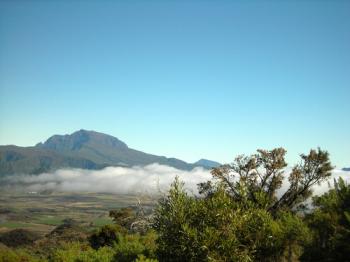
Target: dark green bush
<point>107,235</point>
<point>18,237</point>
<point>330,224</point>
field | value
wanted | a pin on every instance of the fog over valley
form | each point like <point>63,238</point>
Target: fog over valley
<point>151,179</point>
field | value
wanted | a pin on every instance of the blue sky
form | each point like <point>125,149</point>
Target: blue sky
<point>187,79</point>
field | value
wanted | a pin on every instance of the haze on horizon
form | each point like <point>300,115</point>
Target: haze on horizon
<point>185,79</point>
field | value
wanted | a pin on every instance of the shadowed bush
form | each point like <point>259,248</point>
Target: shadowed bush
<point>18,237</point>
<point>107,235</point>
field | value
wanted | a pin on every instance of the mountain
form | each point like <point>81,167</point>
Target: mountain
<point>346,169</point>
<point>81,149</point>
<point>32,160</point>
<point>207,163</point>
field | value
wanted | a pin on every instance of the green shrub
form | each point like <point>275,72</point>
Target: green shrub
<point>106,236</point>
<point>78,252</point>
<point>15,255</point>
<point>330,224</point>
<point>130,247</point>
<point>142,258</point>
<point>18,237</point>
<point>69,230</point>
<point>220,228</point>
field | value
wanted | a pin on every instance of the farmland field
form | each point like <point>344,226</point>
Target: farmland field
<point>42,212</point>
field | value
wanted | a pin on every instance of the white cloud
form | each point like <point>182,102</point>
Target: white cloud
<point>121,180</point>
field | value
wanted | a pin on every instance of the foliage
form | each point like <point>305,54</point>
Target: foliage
<point>134,246</point>
<point>240,217</point>
<point>14,255</point>
<point>69,230</point>
<point>134,222</point>
<point>222,229</point>
<point>106,236</point>
<point>258,177</point>
<point>142,258</point>
<point>78,252</point>
<point>126,247</point>
<point>18,237</point>
<point>123,217</point>
<point>330,223</point>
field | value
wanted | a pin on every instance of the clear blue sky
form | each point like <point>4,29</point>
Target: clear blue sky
<point>187,79</point>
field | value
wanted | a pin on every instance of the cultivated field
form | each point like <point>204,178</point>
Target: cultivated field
<point>42,212</point>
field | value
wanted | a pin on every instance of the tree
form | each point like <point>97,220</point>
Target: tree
<point>257,178</point>
<point>239,217</point>
<point>123,217</point>
<point>219,228</point>
<point>107,235</point>
<point>330,223</point>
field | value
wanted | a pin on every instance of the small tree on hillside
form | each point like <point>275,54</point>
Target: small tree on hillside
<point>258,178</point>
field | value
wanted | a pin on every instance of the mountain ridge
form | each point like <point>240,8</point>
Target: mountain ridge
<point>81,149</point>
<point>207,163</point>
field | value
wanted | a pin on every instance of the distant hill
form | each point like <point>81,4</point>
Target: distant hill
<point>346,169</point>
<point>82,149</point>
<point>32,160</point>
<point>207,163</point>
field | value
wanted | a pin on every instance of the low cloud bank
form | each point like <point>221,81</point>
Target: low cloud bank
<point>151,179</point>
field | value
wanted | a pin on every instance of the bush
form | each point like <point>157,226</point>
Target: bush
<point>132,247</point>
<point>330,224</point>
<point>106,236</point>
<point>78,252</point>
<point>12,255</point>
<point>18,237</point>
<point>142,258</point>
<point>69,230</point>
<point>223,229</point>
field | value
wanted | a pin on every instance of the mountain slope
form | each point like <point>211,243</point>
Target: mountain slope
<point>82,149</point>
<point>207,163</point>
<point>105,150</point>
<point>31,160</point>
